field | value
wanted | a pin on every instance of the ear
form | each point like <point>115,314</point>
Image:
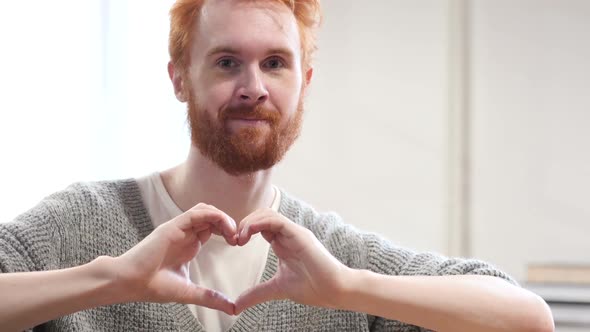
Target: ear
<point>177,82</point>
<point>308,76</point>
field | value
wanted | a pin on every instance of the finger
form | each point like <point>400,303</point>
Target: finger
<point>244,226</point>
<point>204,216</point>
<point>266,291</point>
<point>268,236</point>
<point>209,298</point>
<point>269,224</point>
<point>257,214</point>
<point>230,239</point>
<point>247,220</point>
<point>204,236</point>
<point>209,229</point>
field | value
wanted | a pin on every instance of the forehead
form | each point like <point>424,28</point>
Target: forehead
<point>246,25</point>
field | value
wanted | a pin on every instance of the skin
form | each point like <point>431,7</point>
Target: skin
<point>249,81</point>
<point>236,210</point>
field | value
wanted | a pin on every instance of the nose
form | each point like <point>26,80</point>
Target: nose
<point>252,90</point>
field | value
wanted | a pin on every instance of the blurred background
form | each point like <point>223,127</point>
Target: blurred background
<point>454,126</point>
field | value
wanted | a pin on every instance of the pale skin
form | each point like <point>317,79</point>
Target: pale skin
<point>236,210</point>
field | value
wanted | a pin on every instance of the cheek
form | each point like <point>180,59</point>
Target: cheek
<point>286,97</point>
<point>287,102</point>
<point>215,96</point>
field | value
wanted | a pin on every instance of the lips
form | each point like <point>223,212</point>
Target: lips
<point>256,116</point>
<point>247,119</point>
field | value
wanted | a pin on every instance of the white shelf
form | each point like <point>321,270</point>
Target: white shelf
<point>561,293</point>
<point>571,314</point>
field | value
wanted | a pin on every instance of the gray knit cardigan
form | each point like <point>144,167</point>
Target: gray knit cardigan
<point>86,220</point>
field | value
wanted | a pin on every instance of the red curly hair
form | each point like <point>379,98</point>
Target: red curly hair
<point>185,13</point>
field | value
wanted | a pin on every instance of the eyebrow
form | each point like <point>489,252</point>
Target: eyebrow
<point>230,50</point>
<point>221,49</point>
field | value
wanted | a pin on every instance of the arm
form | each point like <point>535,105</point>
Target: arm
<point>446,303</point>
<point>31,298</point>
<point>155,270</point>
<point>309,274</point>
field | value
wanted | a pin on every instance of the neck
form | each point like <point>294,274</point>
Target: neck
<point>199,180</point>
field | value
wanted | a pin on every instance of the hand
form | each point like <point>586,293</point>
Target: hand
<point>307,272</point>
<point>156,269</point>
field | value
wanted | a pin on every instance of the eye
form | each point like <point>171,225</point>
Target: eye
<point>227,63</point>
<point>274,63</point>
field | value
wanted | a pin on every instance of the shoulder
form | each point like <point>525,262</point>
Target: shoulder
<point>344,241</point>
<point>103,209</point>
<point>87,197</point>
<point>82,193</point>
<point>78,200</point>
<point>84,214</point>
<point>324,225</point>
<point>366,250</point>
<point>97,192</point>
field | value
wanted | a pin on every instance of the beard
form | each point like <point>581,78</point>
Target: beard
<point>245,150</point>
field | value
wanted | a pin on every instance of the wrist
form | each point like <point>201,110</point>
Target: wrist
<point>353,282</point>
<point>111,287</point>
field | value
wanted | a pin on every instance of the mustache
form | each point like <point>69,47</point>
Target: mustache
<point>258,112</point>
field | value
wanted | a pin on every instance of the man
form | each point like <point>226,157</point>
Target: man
<point>128,255</point>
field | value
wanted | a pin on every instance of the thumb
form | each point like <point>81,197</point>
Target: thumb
<point>263,292</point>
<point>209,298</point>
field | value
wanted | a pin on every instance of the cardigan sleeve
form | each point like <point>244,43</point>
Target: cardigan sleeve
<point>370,251</point>
<point>31,242</point>
<point>385,258</point>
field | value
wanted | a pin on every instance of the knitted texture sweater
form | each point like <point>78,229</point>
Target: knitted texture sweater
<point>86,220</point>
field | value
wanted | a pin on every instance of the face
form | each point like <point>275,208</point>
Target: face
<point>244,84</point>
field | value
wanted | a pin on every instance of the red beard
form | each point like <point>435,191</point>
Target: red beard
<point>246,150</point>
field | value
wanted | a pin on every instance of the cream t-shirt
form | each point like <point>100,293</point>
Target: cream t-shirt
<point>219,266</point>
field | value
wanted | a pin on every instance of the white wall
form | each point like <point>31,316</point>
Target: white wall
<point>145,123</point>
<point>372,147</point>
<point>373,144</point>
<point>86,97</point>
<point>531,131</point>
<point>50,83</point>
